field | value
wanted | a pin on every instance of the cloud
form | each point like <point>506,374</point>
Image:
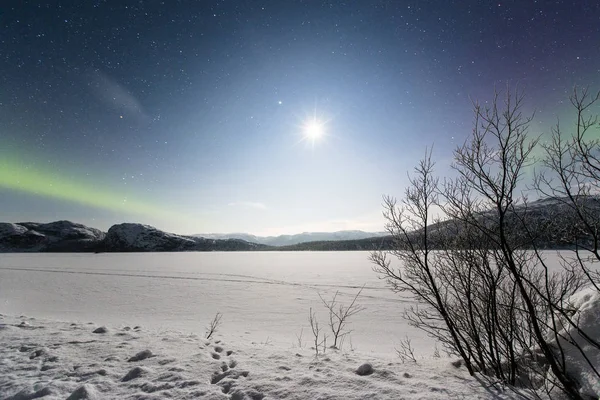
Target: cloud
<point>116,96</point>
<point>248,204</point>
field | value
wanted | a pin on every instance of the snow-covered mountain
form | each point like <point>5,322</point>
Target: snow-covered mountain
<point>128,237</point>
<point>68,236</point>
<point>138,237</point>
<point>53,236</point>
<point>288,240</point>
<point>551,221</point>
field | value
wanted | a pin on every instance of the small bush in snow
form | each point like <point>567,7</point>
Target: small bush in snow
<point>339,313</point>
<point>405,351</point>
<point>316,330</point>
<point>214,325</point>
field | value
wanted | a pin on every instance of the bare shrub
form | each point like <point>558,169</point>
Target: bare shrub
<point>299,338</point>
<point>339,314</point>
<point>214,325</point>
<point>405,351</point>
<point>316,330</point>
<point>469,257</point>
<point>571,177</point>
<point>352,348</point>
<point>436,352</point>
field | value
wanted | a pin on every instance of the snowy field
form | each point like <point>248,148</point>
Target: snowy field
<point>59,360</point>
<point>160,303</point>
<point>262,296</point>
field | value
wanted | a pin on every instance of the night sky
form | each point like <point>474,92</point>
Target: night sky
<point>193,116</point>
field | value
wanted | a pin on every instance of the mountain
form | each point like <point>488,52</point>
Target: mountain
<point>140,238</point>
<point>289,240</point>
<point>137,237</point>
<point>550,222</point>
<point>66,236</point>
<point>53,236</point>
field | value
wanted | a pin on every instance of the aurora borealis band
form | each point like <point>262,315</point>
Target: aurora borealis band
<point>191,115</point>
<point>15,176</point>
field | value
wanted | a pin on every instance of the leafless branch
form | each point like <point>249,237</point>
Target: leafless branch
<point>214,325</point>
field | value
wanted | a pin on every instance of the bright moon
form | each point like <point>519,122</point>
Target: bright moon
<point>313,129</point>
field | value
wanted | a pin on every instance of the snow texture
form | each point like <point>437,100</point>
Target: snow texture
<point>586,304</point>
<point>264,297</point>
<point>74,363</point>
<point>260,294</point>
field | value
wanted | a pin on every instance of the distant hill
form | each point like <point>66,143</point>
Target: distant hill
<point>53,236</point>
<point>66,236</point>
<point>289,240</point>
<point>551,224</point>
<point>550,221</point>
<point>367,244</point>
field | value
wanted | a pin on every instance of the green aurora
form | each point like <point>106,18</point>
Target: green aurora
<point>15,176</point>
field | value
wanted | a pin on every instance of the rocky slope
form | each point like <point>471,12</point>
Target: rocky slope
<point>138,237</point>
<point>53,236</point>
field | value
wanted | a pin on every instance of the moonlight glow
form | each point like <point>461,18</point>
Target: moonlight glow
<point>314,129</point>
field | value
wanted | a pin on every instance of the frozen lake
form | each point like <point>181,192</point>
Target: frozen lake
<point>264,297</point>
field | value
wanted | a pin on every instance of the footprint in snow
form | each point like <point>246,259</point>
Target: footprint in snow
<point>227,375</point>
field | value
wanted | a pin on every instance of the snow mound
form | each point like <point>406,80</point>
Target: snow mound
<point>28,394</point>
<point>142,355</point>
<point>586,304</point>
<point>84,392</point>
<point>101,329</point>
<point>136,372</point>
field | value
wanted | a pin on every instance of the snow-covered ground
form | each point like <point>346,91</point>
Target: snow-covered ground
<point>264,298</point>
<point>61,360</point>
<point>261,295</point>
